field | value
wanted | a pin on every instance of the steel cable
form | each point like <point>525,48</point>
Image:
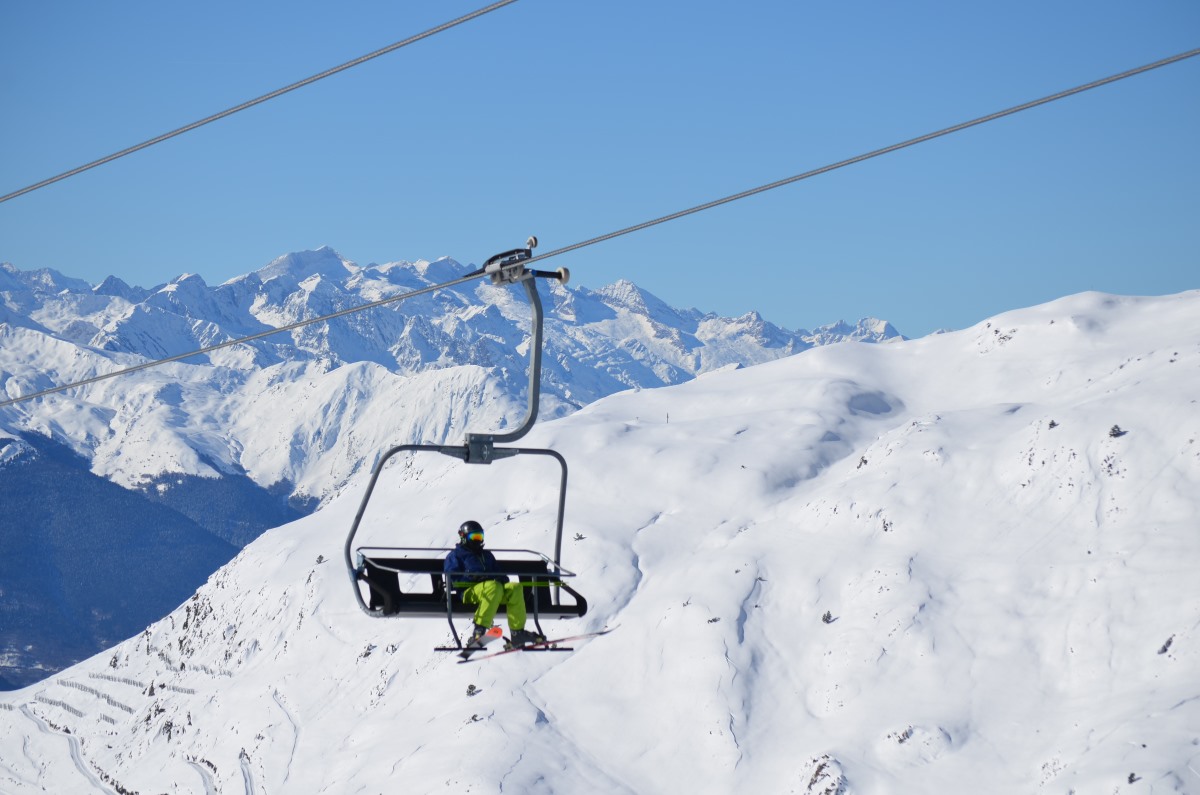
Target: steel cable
<point>240,340</point>
<point>876,153</point>
<point>258,101</point>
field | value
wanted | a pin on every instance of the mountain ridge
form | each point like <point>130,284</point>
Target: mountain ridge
<point>598,342</point>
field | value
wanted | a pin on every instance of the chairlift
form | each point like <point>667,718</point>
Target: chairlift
<point>408,582</point>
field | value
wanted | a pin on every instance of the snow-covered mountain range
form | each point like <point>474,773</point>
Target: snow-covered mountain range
<point>964,563</point>
<point>211,451</point>
<point>304,411</point>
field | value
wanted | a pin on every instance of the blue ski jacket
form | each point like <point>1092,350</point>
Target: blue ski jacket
<point>479,566</point>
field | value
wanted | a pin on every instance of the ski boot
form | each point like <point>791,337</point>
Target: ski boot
<point>521,637</point>
<point>478,638</point>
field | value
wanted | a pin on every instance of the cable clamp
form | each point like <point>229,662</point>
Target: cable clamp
<point>507,267</point>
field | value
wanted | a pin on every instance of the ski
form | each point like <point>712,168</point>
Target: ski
<point>493,634</point>
<point>545,645</point>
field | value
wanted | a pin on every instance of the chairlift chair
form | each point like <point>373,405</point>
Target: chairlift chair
<point>389,573</point>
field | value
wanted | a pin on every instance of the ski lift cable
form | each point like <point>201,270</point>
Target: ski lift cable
<point>258,101</point>
<point>869,155</point>
<point>240,340</point>
<point>620,232</point>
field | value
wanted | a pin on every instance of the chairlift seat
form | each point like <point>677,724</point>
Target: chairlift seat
<point>382,571</point>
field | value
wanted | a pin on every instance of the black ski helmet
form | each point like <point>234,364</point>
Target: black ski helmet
<point>468,527</point>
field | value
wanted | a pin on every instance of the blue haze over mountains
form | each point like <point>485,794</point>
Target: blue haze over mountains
<point>120,499</point>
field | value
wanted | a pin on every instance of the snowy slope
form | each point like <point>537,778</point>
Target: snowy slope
<point>964,563</point>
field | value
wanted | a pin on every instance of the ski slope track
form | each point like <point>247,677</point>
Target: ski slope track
<point>964,563</point>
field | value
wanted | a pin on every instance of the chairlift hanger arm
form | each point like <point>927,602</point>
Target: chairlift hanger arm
<point>508,267</point>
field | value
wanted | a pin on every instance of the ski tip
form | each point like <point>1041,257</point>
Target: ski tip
<point>492,635</point>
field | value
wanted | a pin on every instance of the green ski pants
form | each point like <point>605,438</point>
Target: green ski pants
<point>489,595</point>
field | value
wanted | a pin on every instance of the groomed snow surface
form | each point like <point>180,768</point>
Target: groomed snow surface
<point>965,563</point>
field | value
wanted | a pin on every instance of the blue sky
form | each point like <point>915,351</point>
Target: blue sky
<point>572,119</point>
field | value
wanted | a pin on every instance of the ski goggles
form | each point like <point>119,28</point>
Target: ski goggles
<point>475,536</point>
